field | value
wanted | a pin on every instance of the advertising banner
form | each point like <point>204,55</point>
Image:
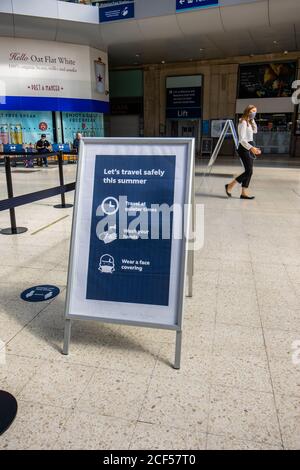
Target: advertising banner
<point>268,80</point>
<point>17,127</point>
<point>192,4</point>
<point>52,76</point>
<point>88,124</point>
<point>116,10</point>
<point>126,264</point>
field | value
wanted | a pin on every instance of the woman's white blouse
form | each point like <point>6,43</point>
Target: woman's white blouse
<point>246,134</point>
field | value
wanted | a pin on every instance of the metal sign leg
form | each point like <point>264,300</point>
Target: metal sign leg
<point>178,349</point>
<point>190,255</point>
<point>190,273</point>
<point>67,337</point>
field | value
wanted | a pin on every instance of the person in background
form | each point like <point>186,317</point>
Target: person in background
<point>247,151</point>
<point>76,141</point>
<point>43,147</point>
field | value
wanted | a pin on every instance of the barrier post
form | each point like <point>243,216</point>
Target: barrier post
<point>63,204</point>
<point>13,229</point>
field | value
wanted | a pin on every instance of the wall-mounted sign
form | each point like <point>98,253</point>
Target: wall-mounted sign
<point>184,97</point>
<point>191,4</point>
<point>184,103</point>
<point>267,80</point>
<point>52,76</point>
<point>116,10</point>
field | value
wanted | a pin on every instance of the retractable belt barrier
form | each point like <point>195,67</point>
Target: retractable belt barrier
<point>16,201</point>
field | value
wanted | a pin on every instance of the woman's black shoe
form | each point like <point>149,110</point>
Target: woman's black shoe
<point>246,197</point>
<point>226,189</point>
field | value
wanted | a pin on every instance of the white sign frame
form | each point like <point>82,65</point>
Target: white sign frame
<point>185,148</point>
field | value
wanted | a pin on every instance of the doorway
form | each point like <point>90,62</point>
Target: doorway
<point>185,128</point>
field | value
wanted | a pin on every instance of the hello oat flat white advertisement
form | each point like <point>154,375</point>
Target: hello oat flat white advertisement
<point>30,68</point>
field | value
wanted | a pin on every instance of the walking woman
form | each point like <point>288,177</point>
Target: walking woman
<point>247,151</point>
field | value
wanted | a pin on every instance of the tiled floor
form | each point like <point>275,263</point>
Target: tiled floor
<point>238,387</point>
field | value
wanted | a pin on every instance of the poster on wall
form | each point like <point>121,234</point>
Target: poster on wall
<point>268,80</point>
<point>52,76</point>
<point>18,127</point>
<point>88,124</point>
<point>126,263</point>
<point>217,126</point>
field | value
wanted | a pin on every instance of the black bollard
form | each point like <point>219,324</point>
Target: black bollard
<point>63,204</point>
<point>13,229</point>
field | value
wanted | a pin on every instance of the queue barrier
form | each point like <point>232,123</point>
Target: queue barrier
<point>15,201</point>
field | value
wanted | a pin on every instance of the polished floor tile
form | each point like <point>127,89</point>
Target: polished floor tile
<point>237,388</point>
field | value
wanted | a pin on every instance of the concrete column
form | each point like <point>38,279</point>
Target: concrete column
<point>151,101</point>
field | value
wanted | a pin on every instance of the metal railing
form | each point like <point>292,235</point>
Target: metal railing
<point>16,201</point>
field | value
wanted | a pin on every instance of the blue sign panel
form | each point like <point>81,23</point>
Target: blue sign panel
<point>183,103</point>
<point>61,148</point>
<point>40,293</point>
<point>126,263</point>
<point>13,148</point>
<point>191,4</point>
<point>118,10</point>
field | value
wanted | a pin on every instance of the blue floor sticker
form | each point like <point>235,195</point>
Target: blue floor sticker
<point>40,293</point>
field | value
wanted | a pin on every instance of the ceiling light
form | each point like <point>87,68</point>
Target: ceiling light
<point>275,42</point>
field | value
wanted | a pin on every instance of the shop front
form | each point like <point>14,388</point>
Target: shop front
<point>50,88</point>
<point>268,86</point>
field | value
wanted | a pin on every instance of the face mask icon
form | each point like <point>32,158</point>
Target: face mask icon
<point>106,264</point>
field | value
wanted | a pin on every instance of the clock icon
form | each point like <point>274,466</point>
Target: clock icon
<point>110,205</point>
